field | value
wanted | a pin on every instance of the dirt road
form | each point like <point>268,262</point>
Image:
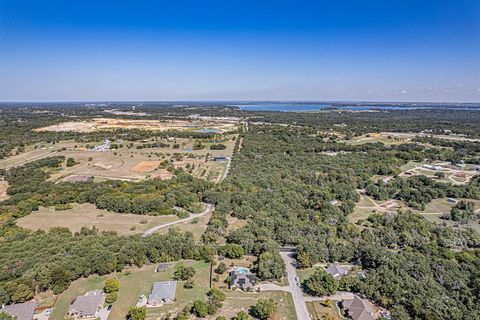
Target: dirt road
<point>209,208</point>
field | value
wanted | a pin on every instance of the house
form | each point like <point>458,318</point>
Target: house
<point>162,292</point>
<point>104,147</point>
<point>452,200</point>
<point>241,278</point>
<point>21,311</point>
<point>87,306</point>
<point>162,267</point>
<point>359,309</point>
<point>337,271</point>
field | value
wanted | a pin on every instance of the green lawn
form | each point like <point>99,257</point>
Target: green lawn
<point>77,288</point>
<point>305,273</point>
<point>135,283</point>
<point>242,301</point>
<point>183,296</point>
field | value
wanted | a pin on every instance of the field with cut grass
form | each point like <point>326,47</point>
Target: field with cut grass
<point>319,311</point>
<point>87,215</point>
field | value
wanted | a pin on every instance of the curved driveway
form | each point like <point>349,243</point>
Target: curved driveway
<point>209,208</point>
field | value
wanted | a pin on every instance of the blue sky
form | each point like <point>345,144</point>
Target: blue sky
<point>401,50</point>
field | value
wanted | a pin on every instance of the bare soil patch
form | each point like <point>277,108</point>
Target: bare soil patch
<point>3,190</point>
<point>146,166</point>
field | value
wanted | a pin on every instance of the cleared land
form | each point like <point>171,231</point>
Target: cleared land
<point>319,311</point>
<point>97,124</point>
<point>3,190</point>
<point>134,161</point>
<point>86,215</point>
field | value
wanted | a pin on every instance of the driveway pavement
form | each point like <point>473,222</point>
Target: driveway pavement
<point>297,295</point>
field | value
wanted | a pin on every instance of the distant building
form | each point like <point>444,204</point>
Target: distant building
<point>162,267</point>
<point>21,311</point>
<point>87,306</point>
<point>162,292</point>
<point>430,167</point>
<point>359,309</point>
<point>452,200</point>
<point>241,278</point>
<point>104,147</point>
<point>337,271</point>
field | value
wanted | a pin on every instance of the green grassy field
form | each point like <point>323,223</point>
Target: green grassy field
<point>183,296</point>
<point>77,288</point>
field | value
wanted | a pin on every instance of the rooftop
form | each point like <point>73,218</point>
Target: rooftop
<point>359,309</point>
<point>88,304</point>
<point>22,311</point>
<point>164,290</point>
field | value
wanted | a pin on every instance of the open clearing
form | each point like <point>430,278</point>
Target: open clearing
<point>3,190</point>
<point>319,311</point>
<point>146,166</point>
<point>86,215</point>
<point>97,124</point>
<point>133,162</point>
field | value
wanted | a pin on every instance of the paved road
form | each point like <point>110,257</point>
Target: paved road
<point>297,295</point>
<point>227,170</point>
<point>209,208</point>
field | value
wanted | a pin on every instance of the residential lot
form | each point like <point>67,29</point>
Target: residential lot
<point>135,282</point>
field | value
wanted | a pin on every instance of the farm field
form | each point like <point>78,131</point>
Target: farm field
<point>97,124</point>
<point>87,215</point>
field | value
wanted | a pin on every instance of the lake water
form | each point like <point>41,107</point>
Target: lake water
<point>283,107</point>
<point>309,107</point>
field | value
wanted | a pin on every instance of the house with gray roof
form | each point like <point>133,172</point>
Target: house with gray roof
<point>21,311</point>
<point>87,306</point>
<point>359,309</point>
<point>337,271</point>
<point>162,292</point>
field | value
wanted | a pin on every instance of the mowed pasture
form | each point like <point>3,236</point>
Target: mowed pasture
<point>87,215</point>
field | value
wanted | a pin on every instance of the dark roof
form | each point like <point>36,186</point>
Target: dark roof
<point>241,280</point>
<point>359,309</point>
<point>162,266</point>
<point>22,311</point>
